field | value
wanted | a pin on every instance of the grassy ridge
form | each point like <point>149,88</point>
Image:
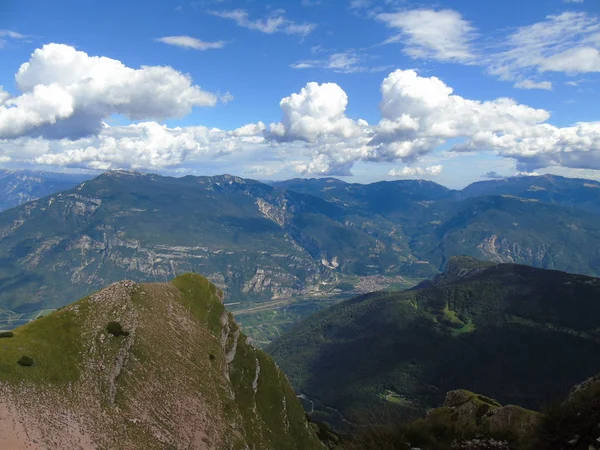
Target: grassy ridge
<point>169,373</point>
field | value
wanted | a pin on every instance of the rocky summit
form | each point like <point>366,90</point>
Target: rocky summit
<point>145,366</point>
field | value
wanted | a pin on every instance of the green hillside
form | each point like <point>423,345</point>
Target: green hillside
<point>181,375</point>
<point>521,335</point>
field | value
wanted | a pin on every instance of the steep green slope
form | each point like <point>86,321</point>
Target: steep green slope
<point>183,376</point>
<point>520,334</point>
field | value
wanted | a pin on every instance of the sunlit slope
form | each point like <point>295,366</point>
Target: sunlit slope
<point>181,376</point>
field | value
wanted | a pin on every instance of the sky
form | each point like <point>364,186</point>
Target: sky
<point>453,91</point>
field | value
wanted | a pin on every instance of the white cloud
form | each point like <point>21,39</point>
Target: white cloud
<point>574,60</point>
<point>9,34</point>
<point>317,111</point>
<point>344,62</point>
<point>274,23</point>
<point>4,96</point>
<point>573,1</point>
<point>358,4</point>
<point>430,171</point>
<point>146,145</point>
<point>66,93</point>
<point>419,114</point>
<point>191,42</point>
<point>531,84</point>
<point>568,42</point>
<point>226,97</point>
<point>425,33</point>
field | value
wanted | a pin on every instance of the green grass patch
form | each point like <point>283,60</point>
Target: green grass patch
<point>53,342</point>
<point>466,328</point>
<point>200,297</point>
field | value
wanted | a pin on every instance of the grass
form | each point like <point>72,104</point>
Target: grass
<point>393,397</point>
<point>466,328</point>
<point>200,297</point>
<point>54,343</point>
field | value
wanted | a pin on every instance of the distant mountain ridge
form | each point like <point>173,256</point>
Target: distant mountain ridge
<point>519,334</point>
<point>22,186</point>
<point>306,239</point>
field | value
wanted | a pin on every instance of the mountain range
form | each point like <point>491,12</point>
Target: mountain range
<point>272,246</point>
<point>519,334</point>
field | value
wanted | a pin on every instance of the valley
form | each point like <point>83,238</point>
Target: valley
<point>281,252</point>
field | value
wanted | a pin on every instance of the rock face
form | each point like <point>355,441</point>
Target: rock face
<point>574,423</point>
<point>488,415</point>
<point>182,376</point>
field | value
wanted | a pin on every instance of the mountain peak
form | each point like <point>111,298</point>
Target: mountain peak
<point>151,365</point>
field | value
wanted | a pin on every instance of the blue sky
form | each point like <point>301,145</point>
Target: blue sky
<point>471,87</point>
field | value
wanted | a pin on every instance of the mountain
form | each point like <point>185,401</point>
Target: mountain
<point>280,252</point>
<point>145,366</point>
<point>513,220</point>
<point>575,192</point>
<point>472,421</point>
<point>253,240</point>
<point>466,420</point>
<point>520,334</point>
<point>22,186</point>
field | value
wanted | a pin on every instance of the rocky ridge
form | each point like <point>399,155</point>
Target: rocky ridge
<point>183,377</point>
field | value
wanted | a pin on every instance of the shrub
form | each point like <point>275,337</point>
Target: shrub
<point>211,357</point>
<point>25,361</point>
<point>6,334</point>
<point>116,329</point>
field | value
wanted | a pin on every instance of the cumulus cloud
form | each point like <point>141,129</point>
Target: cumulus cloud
<point>4,96</point>
<point>420,114</point>
<point>276,22</point>
<point>544,145</point>
<point>531,84</point>
<point>430,171</point>
<point>145,145</point>
<point>441,35</point>
<point>191,42</point>
<point>64,92</point>
<point>316,112</point>
<point>67,93</point>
